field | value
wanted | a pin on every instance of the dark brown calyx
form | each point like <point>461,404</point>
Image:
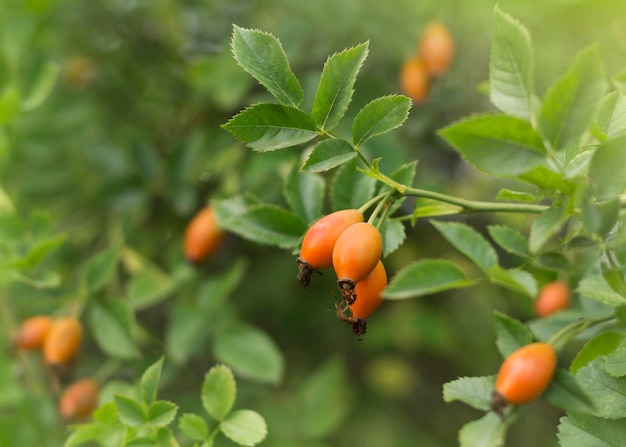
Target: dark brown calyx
<point>305,271</point>
<point>347,290</point>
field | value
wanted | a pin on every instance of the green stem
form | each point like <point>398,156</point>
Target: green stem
<point>372,201</point>
<point>468,206</point>
<point>565,335</point>
<point>363,159</point>
<point>379,207</point>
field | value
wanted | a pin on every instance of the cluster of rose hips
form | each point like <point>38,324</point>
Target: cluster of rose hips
<point>432,58</point>
<point>353,248</point>
<point>59,342</point>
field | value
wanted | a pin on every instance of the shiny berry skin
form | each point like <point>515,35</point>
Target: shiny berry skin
<point>356,253</point>
<point>436,47</point>
<point>79,400</point>
<point>202,235</point>
<point>319,240</point>
<point>553,297</point>
<point>414,80</point>
<point>33,332</point>
<point>63,341</point>
<point>524,375</point>
<point>369,292</point>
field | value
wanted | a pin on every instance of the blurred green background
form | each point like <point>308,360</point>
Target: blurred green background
<point>128,147</point>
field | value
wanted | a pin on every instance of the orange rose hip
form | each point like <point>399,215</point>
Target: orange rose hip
<point>414,80</point>
<point>79,400</point>
<point>202,235</point>
<point>319,241</point>
<point>436,47</point>
<point>356,253</point>
<point>553,297</point>
<point>524,375</point>
<point>33,332</point>
<point>63,341</point>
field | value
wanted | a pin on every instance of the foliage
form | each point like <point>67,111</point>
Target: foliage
<point>116,126</point>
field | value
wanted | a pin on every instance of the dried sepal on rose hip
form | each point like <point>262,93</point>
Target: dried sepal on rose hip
<point>202,236</point>
<point>357,252</point>
<point>553,297</point>
<point>63,341</point>
<point>369,292</point>
<point>317,246</point>
<point>33,332</point>
<point>79,400</point>
<point>524,375</point>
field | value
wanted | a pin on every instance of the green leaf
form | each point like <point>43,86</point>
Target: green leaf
<point>111,323</point>
<point>304,192</point>
<point>161,413</point>
<point>329,154</point>
<point>571,102</point>
<point>380,116</point>
<point>600,345</point>
<point>245,427</point>
<point>193,427</point>
<point>619,81</point>
<point>350,189</point>
<point>231,208</point>
<point>250,352</point>
<point>577,430</point>
<point>267,127</point>
<point>219,391</point>
<point>544,227</point>
<point>473,391</point>
<point>599,218</point>
<point>84,433</point>
<point>496,144</point>
<point>515,196</point>
<point>510,239</point>
<point>511,86</point>
<point>606,173</point>
<point>596,288</point>
<point>268,224</point>
<point>425,277</point>
<point>106,414</point>
<point>336,86</point>
<point>514,279</point>
<point>579,165</point>
<point>547,179</point>
<point>614,364</point>
<point>611,117</point>
<point>607,393</point>
<point>393,235</point>
<point>488,431</point>
<point>262,55</point>
<point>99,269</point>
<point>9,104</point>
<point>148,287</point>
<point>511,334</point>
<point>192,322</point>
<point>323,401</point>
<point>149,384</point>
<point>553,261</point>
<point>469,242</point>
<point>130,412</point>
<point>432,208</point>
<point>42,86</point>
<point>564,392</point>
<point>37,252</point>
